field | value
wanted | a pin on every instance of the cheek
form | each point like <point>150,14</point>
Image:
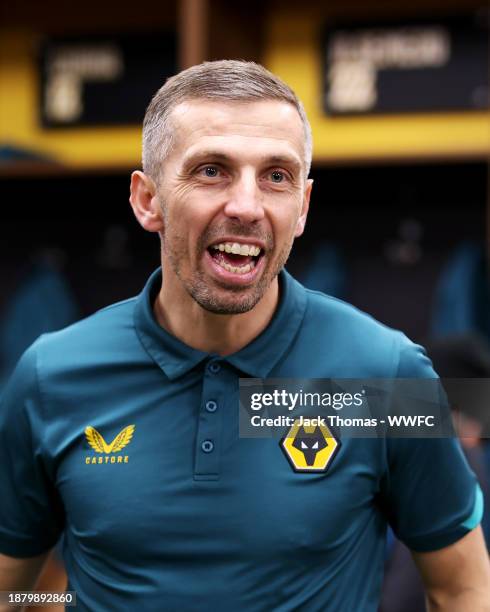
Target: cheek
<point>178,216</point>
<point>285,225</point>
<point>184,230</point>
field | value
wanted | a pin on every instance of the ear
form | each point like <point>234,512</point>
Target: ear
<point>300,225</point>
<point>144,201</point>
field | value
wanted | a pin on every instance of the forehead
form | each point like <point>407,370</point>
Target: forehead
<point>265,127</point>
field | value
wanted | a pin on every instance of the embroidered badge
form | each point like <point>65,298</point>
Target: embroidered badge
<point>310,448</point>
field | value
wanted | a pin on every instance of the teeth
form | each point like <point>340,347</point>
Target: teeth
<point>237,249</point>
<point>235,269</point>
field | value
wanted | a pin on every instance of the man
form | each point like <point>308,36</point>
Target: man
<point>122,430</point>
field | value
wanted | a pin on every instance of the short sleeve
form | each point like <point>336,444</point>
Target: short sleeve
<point>430,495</point>
<point>30,509</point>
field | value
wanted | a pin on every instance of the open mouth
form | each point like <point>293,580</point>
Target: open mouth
<point>236,258</point>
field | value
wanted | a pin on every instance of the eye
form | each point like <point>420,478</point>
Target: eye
<point>303,445</point>
<point>315,446</point>
<point>277,176</point>
<point>209,171</point>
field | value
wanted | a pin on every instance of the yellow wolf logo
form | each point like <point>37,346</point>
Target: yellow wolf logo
<point>97,442</point>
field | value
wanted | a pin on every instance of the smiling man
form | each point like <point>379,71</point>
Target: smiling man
<point>228,203</point>
<point>121,431</point>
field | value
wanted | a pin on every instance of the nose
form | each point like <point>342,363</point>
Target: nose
<point>245,199</point>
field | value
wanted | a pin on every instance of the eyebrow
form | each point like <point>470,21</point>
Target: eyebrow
<point>279,160</point>
<point>216,155</point>
<point>206,154</point>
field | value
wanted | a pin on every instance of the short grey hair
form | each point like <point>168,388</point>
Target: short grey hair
<point>228,80</point>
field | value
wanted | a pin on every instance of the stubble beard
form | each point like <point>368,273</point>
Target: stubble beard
<point>222,299</point>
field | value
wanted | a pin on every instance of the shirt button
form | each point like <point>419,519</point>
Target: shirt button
<point>211,406</point>
<point>207,446</point>
<point>214,367</point>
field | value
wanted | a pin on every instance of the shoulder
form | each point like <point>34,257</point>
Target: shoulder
<point>322,307</point>
<point>360,338</point>
<point>65,364</point>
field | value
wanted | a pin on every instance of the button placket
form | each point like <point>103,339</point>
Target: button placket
<point>208,439</point>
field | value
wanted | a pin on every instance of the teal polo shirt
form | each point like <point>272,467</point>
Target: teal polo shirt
<point>124,439</point>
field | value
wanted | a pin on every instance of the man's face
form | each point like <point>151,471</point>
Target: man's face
<point>234,181</point>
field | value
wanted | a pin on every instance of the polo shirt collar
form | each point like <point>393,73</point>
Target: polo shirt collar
<point>256,359</point>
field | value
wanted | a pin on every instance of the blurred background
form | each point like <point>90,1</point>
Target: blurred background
<point>398,99</point>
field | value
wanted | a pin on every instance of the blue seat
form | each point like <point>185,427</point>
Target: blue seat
<point>326,271</point>
<point>42,303</point>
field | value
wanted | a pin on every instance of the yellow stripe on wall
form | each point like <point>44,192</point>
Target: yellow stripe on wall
<point>293,51</point>
<point>19,115</point>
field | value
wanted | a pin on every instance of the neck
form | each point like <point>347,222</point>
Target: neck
<point>178,313</point>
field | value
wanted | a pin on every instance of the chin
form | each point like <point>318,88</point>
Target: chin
<point>226,299</point>
<point>228,307</point>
